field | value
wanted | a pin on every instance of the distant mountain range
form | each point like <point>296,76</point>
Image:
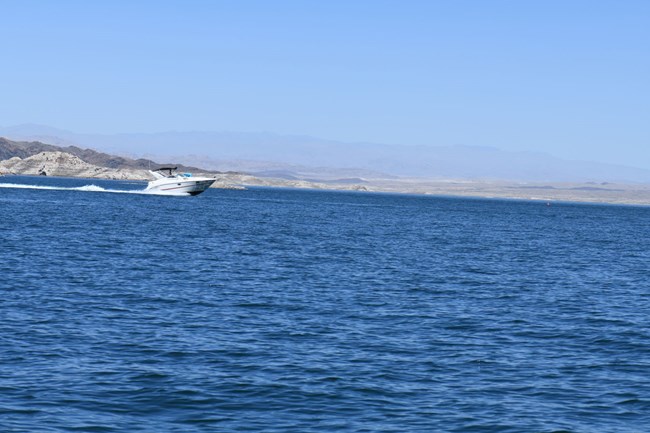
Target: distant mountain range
<point>302,157</point>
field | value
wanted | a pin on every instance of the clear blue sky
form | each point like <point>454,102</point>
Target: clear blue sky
<point>567,77</point>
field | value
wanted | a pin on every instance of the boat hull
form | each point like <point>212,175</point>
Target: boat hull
<point>179,186</point>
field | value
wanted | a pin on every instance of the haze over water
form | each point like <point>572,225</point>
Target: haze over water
<point>303,311</point>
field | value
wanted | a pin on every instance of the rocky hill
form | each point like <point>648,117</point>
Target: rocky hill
<point>64,164</point>
<point>25,149</point>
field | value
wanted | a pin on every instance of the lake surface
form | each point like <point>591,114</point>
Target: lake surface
<point>306,311</point>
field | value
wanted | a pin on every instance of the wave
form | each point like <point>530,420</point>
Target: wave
<point>87,188</point>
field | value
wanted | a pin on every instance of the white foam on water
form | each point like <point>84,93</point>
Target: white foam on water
<point>87,188</point>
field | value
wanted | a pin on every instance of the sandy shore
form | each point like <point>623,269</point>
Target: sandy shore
<point>590,192</point>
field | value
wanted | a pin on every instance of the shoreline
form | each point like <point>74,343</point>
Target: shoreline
<point>577,193</point>
<point>58,163</point>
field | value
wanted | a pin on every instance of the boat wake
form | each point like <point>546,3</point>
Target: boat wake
<point>88,188</point>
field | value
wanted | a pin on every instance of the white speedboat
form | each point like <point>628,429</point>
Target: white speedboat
<point>169,182</point>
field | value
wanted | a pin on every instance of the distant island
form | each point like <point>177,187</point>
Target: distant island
<point>37,158</point>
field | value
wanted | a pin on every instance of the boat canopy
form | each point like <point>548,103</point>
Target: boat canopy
<point>169,170</point>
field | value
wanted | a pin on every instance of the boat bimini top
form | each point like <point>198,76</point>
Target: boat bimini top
<point>168,172</point>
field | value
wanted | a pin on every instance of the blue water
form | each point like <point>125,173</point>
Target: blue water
<point>304,311</point>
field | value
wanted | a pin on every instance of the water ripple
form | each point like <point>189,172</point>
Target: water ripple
<point>298,311</point>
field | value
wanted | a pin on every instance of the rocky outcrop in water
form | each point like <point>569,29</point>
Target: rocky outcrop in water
<point>65,164</point>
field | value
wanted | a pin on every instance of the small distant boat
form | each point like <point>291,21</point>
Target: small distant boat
<point>168,181</point>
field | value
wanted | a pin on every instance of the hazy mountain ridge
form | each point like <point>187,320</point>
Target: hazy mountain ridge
<point>298,155</point>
